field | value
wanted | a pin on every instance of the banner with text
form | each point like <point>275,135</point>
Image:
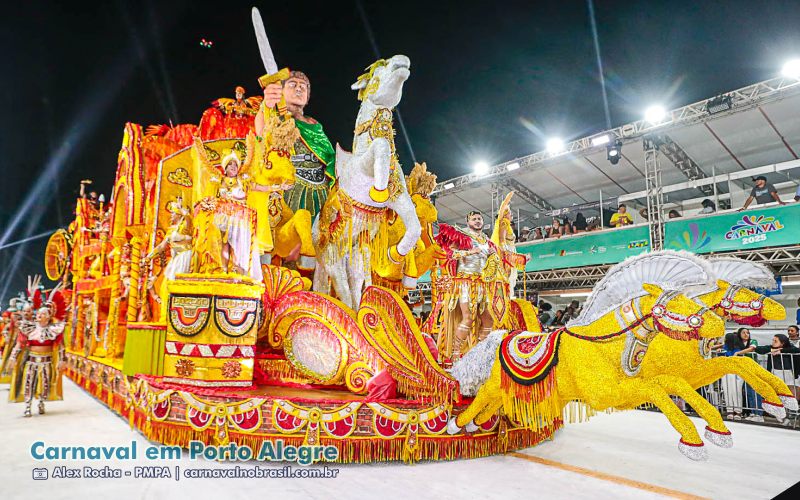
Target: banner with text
<point>589,249</point>
<point>759,228</point>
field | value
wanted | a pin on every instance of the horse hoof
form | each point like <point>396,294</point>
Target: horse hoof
<point>777,411</point>
<point>452,428</point>
<point>695,452</point>
<point>717,438</point>
<point>789,402</point>
<point>471,427</point>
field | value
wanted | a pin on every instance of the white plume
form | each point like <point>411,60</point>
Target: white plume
<point>742,272</point>
<point>667,269</point>
<point>475,367</point>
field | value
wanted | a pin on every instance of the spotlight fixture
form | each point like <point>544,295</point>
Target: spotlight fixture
<point>480,168</point>
<point>791,69</point>
<point>719,104</point>
<point>614,151</point>
<point>554,145</point>
<point>655,114</point>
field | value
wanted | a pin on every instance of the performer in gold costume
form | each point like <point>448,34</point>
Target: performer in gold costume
<point>225,225</point>
<point>476,269</point>
<point>503,236</point>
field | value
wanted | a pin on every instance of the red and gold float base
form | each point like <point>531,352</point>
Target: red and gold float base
<point>362,431</point>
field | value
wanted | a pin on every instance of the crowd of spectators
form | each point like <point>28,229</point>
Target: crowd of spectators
<point>551,320</point>
<point>762,192</point>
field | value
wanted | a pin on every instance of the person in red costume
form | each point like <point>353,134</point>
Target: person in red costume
<point>34,361</point>
<point>230,118</point>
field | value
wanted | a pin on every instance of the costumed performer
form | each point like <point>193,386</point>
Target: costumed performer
<point>312,153</point>
<point>475,266</point>
<point>224,224</point>
<point>503,236</point>
<point>229,118</point>
<point>178,239</point>
<point>36,361</point>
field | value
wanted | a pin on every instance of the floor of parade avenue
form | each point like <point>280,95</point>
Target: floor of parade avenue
<point>621,455</point>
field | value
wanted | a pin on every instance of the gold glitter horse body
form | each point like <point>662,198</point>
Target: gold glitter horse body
<point>596,359</point>
<point>730,300</point>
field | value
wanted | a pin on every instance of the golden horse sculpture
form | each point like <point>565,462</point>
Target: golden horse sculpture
<point>731,300</point>
<point>399,277</point>
<point>595,360</point>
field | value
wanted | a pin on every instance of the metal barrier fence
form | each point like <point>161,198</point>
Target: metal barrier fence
<point>737,401</point>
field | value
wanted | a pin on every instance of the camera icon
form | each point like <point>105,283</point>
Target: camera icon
<point>40,474</point>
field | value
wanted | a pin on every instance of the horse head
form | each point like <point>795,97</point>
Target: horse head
<point>677,316</point>
<point>742,305</point>
<point>382,82</point>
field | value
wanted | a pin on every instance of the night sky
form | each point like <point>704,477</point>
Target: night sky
<point>489,80</point>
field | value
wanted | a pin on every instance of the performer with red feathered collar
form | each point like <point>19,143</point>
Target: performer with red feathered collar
<point>474,265</point>
<point>34,361</point>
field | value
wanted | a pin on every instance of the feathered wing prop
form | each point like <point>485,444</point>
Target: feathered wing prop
<point>208,175</point>
<point>57,302</point>
<point>742,272</point>
<point>501,221</point>
<point>450,239</point>
<point>667,269</point>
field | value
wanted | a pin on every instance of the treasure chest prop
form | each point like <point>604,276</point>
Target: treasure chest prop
<point>212,323</point>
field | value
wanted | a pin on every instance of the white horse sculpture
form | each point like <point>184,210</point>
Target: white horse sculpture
<point>352,225</point>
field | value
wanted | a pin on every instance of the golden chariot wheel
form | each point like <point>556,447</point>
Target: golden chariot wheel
<point>56,255</point>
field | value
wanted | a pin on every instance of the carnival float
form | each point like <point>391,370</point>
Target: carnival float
<point>247,282</point>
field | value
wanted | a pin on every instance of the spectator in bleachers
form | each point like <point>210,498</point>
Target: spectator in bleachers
<point>544,313</point>
<point>797,194</point>
<point>708,207</point>
<point>525,234</point>
<point>567,224</point>
<point>580,224</point>
<point>594,224</point>
<point>557,319</point>
<point>763,192</point>
<point>622,217</point>
<point>783,360</point>
<point>673,214</point>
<point>743,345</point>
<point>556,230</point>
<point>794,335</point>
<point>731,384</point>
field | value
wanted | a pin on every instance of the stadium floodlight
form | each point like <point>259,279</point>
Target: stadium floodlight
<point>512,166</point>
<point>554,145</point>
<point>655,114</point>
<point>601,139</point>
<point>791,69</point>
<point>614,151</point>
<point>719,104</point>
<point>480,168</point>
<point>449,185</point>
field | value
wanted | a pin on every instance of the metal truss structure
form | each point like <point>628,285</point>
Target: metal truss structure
<point>784,261</point>
<point>655,192</point>
<point>741,99</point>
<point>523,192</point>
<point>683,162</point>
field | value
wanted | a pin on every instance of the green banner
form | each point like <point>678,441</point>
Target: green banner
<point>589,249</point>
<point>759,228</point>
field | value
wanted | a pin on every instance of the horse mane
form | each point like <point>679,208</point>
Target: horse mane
<point>742,272</point>
<point>667,269</point>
